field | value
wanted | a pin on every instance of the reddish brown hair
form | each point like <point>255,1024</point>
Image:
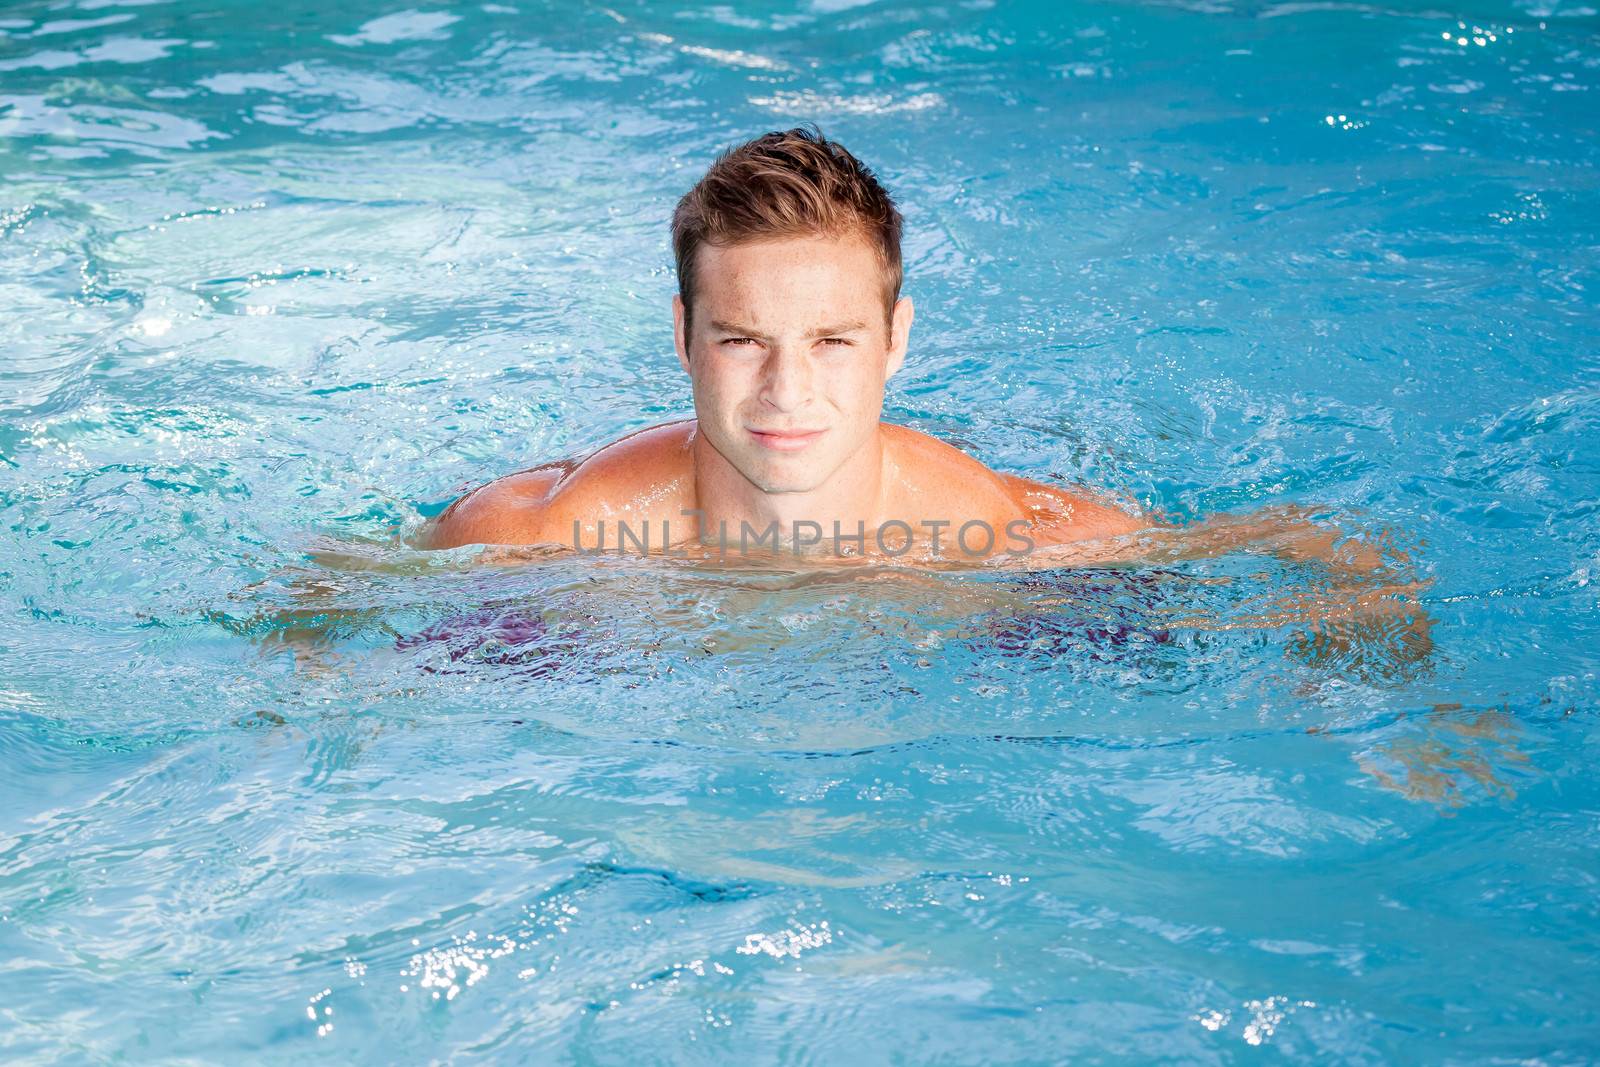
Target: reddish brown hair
<point>792,183</point>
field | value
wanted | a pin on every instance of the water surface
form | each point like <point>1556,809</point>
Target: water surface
<point>280,280</point>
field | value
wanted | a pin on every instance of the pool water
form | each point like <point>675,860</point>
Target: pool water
<point>280,280</point>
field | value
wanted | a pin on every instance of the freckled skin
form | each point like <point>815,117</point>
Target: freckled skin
<point>789,348</point>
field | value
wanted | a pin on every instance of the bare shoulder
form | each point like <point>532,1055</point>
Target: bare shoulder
<point>640,476</point>
<point>1059,514</point>
<point>944,481</point>
<point>506,511</point>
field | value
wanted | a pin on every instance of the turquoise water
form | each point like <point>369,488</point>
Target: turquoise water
<point>278,281</point>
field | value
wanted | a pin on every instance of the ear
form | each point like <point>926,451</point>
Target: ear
<point>899,334</point>
<point>679,335</point>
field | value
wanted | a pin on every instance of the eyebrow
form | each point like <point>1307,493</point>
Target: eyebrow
<point>834,331</point>
<point>824,331</point>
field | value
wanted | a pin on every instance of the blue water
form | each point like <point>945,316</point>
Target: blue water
<point>279,280</point>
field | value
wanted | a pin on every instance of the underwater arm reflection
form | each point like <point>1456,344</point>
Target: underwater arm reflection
<point>1284,531</point>
<point>303,612</point>
<point>1366,621</point>
<point>310,608</point>
<point>1363,615</point>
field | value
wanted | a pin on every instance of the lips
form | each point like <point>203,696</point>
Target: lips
<point>785,440</point>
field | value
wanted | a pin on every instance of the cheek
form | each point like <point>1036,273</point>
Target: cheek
<point>721,385</point>
<point>856,389</point>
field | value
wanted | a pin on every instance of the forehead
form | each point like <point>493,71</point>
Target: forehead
<point>789,277</point>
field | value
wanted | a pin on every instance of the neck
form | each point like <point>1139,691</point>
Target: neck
<point>727,499</point>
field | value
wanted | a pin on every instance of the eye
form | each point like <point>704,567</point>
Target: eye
<point>837,342</point>
<point>739,341</point>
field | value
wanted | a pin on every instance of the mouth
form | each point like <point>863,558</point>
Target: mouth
<point>785,440</point>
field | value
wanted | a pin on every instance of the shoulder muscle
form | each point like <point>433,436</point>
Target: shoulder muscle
<point>1073,514</point>
<point>507,511</point>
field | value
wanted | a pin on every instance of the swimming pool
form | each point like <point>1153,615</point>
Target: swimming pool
<point>279,282</point>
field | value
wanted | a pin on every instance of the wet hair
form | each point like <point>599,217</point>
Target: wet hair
<point>789,183</point>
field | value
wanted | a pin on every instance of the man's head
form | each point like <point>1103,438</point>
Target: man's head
<point>789,317</point>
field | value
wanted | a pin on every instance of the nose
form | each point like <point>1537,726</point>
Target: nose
<point>786,382</point>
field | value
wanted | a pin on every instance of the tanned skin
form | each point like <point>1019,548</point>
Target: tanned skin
<point>789,349</point>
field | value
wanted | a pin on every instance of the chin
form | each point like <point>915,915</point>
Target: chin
<point>782,478</point>
<point>772,483</point>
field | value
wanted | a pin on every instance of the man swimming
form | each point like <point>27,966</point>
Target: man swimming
<point>789,322</point>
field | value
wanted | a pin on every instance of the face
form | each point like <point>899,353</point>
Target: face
<point>789,353</point>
